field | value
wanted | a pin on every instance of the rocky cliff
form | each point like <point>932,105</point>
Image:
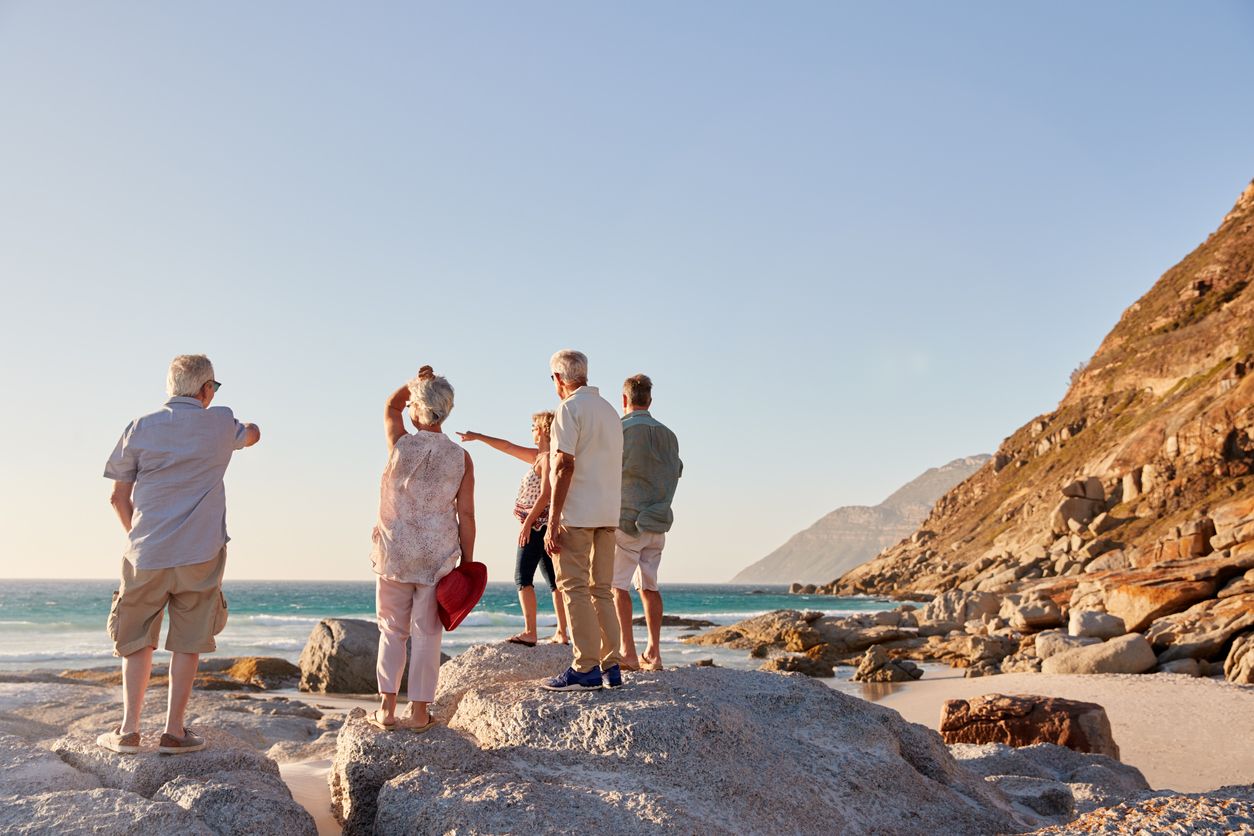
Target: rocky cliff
<point>1151,448</point>
<point>850,536</point>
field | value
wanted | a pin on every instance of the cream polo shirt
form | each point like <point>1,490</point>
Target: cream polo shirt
<point>588,428</point>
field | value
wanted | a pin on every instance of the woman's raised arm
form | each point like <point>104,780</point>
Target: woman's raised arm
<point>527,454</point>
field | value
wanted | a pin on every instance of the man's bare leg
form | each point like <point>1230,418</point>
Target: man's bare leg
<point>627,645</point>
<point>136,670</point>
<point>652,600</point>
<point>182,672</point>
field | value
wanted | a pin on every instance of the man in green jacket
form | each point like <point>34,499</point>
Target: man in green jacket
<point>651,471</point>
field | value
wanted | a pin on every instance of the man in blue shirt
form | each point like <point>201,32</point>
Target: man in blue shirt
<point>167,474</point>
<point>651,471</point>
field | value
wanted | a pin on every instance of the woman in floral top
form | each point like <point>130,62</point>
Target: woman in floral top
<point>531,509</point>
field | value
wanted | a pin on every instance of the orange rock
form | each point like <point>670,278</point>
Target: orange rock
<point>1023,719</point>
<point>1139,603</point>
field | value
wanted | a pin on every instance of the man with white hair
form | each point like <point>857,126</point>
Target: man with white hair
<point>587,471</point>
<point>167,491</point>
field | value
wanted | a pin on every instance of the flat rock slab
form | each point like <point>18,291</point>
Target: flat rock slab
<point>1024,719</point>
<point>27,769</point>
<point>100,812</point>
<point>1092,780</point>
<point>148,771</point>
<point>1125,654</point>
<point>683,750</point>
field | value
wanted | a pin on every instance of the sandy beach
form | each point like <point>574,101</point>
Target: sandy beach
<point>1183,733</point>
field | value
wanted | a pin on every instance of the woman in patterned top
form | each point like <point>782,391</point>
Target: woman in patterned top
<point>426,525</point>
<point>531,509</point>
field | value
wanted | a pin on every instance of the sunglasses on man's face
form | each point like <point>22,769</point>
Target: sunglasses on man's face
<point>215,384</point>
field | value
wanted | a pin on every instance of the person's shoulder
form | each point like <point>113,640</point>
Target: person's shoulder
<point>221,412</point>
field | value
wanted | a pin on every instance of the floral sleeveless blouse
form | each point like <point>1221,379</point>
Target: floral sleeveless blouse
<point>416,538</point>
<point>528,493</point>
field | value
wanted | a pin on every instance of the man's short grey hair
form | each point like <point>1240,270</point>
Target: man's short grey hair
<point>430,399</point>
<point>188,373</point>
<point>571,365</point>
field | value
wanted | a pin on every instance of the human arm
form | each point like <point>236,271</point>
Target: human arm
<point>527,454</point>
<point>563,473</point>
<point>542,502</point>
<point>394,415</point>
<point>465,503</point>
<point>252,434</point>
<point>122,503</point>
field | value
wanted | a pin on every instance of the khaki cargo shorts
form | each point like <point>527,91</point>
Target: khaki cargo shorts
<point>193,595</point>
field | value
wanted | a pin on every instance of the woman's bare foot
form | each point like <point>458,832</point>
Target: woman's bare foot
<point>417,718</point>
<point>629,663</point>
<point>652,661</point>
<point>559,638</point>
<point>524,638</point>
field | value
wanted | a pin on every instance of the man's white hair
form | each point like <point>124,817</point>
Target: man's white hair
<point>430,399</point>
<point>188,373</point>
<point>571,365</point>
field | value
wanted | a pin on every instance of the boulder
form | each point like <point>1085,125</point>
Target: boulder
<point>1095,625</point>
<point>145,773</point>
<point>766,629</point>
<point>1221,811</point>
<point>877,666</point>
<point>1094,780</point>
<point>1239,666</point>
<point>955,607</point>
<point>1138,603</point>
<point>1202,630</point>
<point>1074,511</point>
<point>1022,720</point>
<point>241,802</point>
<point>1035,614</point>
<point>1126,654</point>
<point>794,588</point>
<point>679,750</point>
<point>800,663</point>
<point>1052,642</point>
<point>1110,561</point>
<point>99,812</point>
<point>489,664</point>
<point>339,657</point>
<point>264,672</point>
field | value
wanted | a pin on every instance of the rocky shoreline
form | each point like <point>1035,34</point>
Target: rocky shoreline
<point>675,750</point>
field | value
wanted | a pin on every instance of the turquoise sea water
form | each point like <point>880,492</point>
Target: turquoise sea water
<point>61,624</point>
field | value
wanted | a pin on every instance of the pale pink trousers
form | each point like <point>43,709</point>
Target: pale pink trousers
<point>407,612</point>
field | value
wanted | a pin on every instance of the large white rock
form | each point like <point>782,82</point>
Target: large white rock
<point>1126,654</point>
<point>708,750</point>
<point>1096,625</point>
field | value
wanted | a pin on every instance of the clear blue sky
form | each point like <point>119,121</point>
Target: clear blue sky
<point>848,241</point>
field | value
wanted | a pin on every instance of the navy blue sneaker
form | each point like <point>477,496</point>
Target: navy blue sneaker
<point>573,680</point>
<point>613,676</point>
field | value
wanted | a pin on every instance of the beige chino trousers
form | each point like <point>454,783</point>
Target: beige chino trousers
<point>585,573</point>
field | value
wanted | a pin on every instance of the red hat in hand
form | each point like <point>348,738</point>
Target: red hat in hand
<point>457,592</point>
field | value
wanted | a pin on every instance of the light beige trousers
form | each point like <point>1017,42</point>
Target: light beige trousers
<point>585,573</point>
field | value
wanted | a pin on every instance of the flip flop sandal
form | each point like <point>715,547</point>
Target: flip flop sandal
<point>523,642</point>
<point>374,720</point>
<point>425,727</point>
<point>651,666</point>
<point>627,667</point>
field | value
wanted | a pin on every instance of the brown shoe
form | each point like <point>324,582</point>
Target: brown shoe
<point>189,742</point>
<point>115,741</point>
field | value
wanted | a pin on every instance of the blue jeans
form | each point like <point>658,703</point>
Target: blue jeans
<point>529,557</point>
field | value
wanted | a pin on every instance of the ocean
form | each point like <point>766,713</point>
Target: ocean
<point>54,625</point>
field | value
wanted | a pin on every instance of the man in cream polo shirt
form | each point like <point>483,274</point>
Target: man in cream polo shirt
<point>587,473</point>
